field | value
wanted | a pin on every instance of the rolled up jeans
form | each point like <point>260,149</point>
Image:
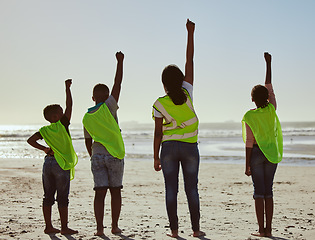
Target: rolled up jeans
<point>174,154</point>
<point>263,173</point>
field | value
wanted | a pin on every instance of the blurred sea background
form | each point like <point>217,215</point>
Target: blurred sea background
<point>218,142</point>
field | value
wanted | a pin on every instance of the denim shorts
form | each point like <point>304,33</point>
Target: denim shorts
<point>55,180</point>
<point>107,171</point>
<point>263,173</point>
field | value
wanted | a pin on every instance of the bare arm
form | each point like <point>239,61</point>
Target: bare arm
<point>268,67</point>
<point>247,164</point>
<point>68,110</point>
<point>272,97</point>
<point>189,67</point>
<point>33,142</point>
<point>157,143</point>
<point>118,77</point>
<point>88,145</point>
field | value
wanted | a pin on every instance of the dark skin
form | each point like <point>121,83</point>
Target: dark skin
<point>158,132</point>
<point>63,211</point>
<point>53,119</point>
<point>267,57</point>
<point>262,206</point>
<point>115,92</point>
<point>189,77</point>
<point>100,195</point>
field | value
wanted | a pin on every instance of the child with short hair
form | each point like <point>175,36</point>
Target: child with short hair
<point>105,145</point>
<point>58,168</point>
<point>264,148</point>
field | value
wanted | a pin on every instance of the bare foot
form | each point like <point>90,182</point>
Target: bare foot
<point>258,234</point>
<point>51,230</point>
<point>268,232</point>
<point>99,233</point>
<point>199,234</point>
<point>174,234</point>
<point>68,231</point>
<point>116,230</point>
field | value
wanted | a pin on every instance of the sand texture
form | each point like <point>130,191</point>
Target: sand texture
<point>227,207</point>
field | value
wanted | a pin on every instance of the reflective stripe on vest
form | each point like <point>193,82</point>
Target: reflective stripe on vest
<point>170,119</point>
<point>173,128</point>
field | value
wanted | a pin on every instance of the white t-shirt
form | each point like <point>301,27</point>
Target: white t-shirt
<point>189,89</point>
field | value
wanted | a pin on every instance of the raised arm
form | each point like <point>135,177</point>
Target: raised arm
<point>68,110</point>
<point>268,67</point>
<point>119,76</point>
<point>189,67</point>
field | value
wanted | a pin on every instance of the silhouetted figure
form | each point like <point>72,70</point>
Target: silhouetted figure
<point>264,147</point>
<point>176,129</point>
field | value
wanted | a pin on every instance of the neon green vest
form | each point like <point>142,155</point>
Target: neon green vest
<point>103,128</point>
<point>57,138</point>
<point>266,128</point>
<point>180,121</point>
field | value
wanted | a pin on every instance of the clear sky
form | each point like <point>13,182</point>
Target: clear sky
<point>45,42</point>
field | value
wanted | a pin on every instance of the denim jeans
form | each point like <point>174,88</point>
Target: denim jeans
<point>174,154</point>
<point>55,179</point>
<point>263,173</point>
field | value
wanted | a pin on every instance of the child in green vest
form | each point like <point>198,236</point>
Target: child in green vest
<point>176,134</point>
<point>58,168</point>
<point>264,147</point>
<point>105,145</point>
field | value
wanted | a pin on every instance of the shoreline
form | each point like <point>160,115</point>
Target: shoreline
<point>227,210</point>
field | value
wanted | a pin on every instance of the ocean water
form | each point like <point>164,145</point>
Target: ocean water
<point>218,142</point>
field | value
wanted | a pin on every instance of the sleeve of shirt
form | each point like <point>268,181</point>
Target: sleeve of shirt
<point>111,104</point>
<point>250,139</point>
<point>189,89</point>
<point>272,96</point>
<point>157,114</point>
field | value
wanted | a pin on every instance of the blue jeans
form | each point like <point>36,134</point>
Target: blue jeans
<point>55,179</point>
<point>263,173</point>
<point>174,154</point>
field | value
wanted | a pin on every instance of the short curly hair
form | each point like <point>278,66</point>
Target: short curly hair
<point>100,92</point>
<point>260,94</point>
<point>50,110</point>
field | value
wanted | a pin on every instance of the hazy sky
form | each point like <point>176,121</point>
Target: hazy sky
<point>45,42</point>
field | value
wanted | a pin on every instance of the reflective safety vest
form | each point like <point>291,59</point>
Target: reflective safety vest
<point>57,138</point>
<point>266,128</point>
<point>180,121</point>
<point>103,128</point>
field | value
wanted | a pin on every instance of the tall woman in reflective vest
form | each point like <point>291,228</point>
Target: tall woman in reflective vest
<point>264,147</point>
<point>176,130</point>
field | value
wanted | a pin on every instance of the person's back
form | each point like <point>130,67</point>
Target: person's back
<point>264,147</point>
<point>58,168</point>
<point>105,146</point>
<point>176,133</point>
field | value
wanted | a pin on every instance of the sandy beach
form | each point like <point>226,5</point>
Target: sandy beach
<point>227,210</point>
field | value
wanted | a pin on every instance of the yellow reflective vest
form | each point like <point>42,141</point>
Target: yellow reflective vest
<point>57,138</point>
<point>103,128</point>
<point>266,128</point>
<point>180,121</point>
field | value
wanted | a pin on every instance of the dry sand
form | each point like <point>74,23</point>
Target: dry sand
<point>227,210</point>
